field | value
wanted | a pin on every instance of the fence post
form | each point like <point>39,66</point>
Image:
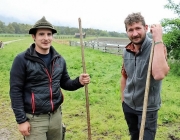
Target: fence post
<point>105,48</point>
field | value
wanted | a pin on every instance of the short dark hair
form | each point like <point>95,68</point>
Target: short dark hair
<point>34,32</point>
<point>134,18</point>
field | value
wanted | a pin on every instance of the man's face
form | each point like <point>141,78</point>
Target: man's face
<point>43,40</point>
<point>136,32</point>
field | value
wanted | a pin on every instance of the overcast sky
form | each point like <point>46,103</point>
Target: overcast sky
<point>98,14</point>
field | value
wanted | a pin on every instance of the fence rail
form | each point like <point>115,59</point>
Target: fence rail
<point>111,47</point>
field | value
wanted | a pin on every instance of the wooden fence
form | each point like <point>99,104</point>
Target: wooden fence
<point>111,47</point>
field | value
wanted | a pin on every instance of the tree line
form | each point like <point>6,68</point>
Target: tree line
<point>20,28</point>
<point>171,37</point>
<point>172,31</point>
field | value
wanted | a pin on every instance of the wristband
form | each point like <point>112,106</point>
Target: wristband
<point>158,42</point>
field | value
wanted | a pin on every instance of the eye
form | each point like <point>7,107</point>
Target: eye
<point>41,34</point>
<point>138,28</point>
<point>130,30</point>
<point>49,34</point>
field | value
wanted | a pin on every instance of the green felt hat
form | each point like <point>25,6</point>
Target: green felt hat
<point>42,23</point>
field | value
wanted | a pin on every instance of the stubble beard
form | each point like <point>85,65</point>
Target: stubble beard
<point>139,42</point>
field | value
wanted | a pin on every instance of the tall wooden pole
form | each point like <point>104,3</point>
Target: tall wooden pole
<point>86,86</point>
<point>141,135</point>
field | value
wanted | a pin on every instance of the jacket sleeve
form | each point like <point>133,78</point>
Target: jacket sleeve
<point>17,80</point>
<point>67,83</point>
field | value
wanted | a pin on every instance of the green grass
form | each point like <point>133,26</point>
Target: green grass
<point>106,116</point>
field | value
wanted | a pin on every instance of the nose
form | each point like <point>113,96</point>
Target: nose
<point>135,33</point>
<point>45,36</point>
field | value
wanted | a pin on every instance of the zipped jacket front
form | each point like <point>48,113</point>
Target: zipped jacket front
<point>36,89</point>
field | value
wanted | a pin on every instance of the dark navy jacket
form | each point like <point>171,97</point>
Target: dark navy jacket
<point>33,88</point>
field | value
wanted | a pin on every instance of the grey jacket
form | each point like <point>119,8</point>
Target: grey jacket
<point>136,67</point>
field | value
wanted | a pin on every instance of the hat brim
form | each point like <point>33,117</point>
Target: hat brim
<point>33,30</point>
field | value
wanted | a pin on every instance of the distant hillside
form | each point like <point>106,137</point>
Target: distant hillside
<point>12,25</point>
<point>7,20</point>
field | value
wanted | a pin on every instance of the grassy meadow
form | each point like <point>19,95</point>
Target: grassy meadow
<point>106,115</point>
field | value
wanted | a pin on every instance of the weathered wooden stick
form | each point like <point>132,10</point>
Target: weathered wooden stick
<point>141,135</point>
<point>86,86</point>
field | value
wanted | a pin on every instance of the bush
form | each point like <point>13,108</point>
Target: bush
<point>175,67</point>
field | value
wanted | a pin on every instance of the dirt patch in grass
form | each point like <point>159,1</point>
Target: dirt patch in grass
<point>173,137</point>
<point>5,134</point>
<point>172,130</point>
<point>8,125</point>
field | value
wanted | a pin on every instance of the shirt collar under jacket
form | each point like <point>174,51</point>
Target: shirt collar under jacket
<point>130,47</point>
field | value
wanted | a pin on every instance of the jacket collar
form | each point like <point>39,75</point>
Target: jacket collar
<point>31,51</point>
<point>130,47</point>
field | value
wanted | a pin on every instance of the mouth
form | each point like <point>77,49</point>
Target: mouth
<point>45,43</point>
<point>136,37</point>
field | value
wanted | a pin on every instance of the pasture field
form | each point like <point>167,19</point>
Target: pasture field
<point>107,119</point>
<point>4,39</point>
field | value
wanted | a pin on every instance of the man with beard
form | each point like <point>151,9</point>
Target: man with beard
<point>134,72</point>
<point>36,78</point>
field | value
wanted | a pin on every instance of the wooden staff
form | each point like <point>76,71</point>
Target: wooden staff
<point>86,86</point>
<point>141,135</point>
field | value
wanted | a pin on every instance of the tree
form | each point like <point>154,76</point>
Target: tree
<point>2,27</point>
<point>10,29</point>
<point>172,31</point>
<point>172,37</point>
<point>16,27</point>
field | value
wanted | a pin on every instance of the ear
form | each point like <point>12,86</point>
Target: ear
<point>146,27</point>
<point>33,36</point>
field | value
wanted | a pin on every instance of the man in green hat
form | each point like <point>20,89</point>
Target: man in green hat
<point>36,78</point>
